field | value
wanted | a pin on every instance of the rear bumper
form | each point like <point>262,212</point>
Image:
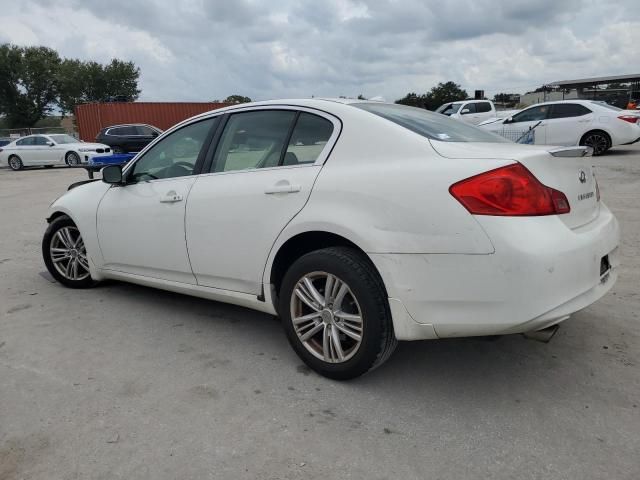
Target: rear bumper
<point>541,272</point>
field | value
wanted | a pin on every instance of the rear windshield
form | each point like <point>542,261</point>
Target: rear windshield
<point>606,105</point>
<point>429,124</point>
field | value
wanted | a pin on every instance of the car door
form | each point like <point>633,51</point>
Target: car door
<point>468,113</point>
<point>528,126</point>
<point>483,112</point>
<point>261,175</point>
<point>27,151</point>
<point>567,123</point>
<point>42,151</point>
<point>141,223</point>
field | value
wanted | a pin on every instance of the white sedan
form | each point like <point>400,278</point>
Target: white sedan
<point>571,122</point>
<point>358,223</point>
<point>49,150</point>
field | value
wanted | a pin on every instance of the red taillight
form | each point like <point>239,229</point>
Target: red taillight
<point>509,191</point>
<point>629,118</point>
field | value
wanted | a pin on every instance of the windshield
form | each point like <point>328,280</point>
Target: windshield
<point>429,124</point>
<point>449,108</point>
<point>606,105</point>
<point>62,139</point>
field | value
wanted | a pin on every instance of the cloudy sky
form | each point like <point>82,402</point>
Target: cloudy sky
<point>207,49</point>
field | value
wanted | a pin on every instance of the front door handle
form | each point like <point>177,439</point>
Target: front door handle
<point>282,188</point>
<point>171,197</point>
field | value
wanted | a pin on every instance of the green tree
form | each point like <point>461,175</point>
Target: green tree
<point>82,82</point>
<point>235,99</point>
<point>444,93</point>
<point>28,89</point>
<point>413,100</point>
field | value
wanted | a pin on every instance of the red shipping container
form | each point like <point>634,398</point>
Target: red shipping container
<point>93,117</point>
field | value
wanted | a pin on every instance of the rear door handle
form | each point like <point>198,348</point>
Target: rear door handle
<point>282,188</point>
<point>171,197</point>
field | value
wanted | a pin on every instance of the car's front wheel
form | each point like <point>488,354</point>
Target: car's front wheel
<point>72,158</point>
<point>15,163</point>
<point>65,254</point>
<point>336,314</point>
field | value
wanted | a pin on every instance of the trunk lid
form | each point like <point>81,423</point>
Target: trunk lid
<point>567,169</point>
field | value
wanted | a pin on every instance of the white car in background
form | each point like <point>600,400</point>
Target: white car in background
<point>473,111</point>
<point>572,122</point>
<point>49,150</point>
<point>359,223</point>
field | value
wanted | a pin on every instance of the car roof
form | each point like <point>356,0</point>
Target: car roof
<point>130,125</point>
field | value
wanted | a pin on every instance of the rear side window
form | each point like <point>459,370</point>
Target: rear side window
<point>143,130</point>
<point>567,110</point>
<point>483,107</point>
<point>253,140</point>
<point>308,139</point>
<point>429,124</point>
<point>25,142</point>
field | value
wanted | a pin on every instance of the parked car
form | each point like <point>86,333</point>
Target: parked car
<point>473,111</point>
<point>359,223</point>
<point>128,138</point>
<point>49,150</point>
<point>573,122</point>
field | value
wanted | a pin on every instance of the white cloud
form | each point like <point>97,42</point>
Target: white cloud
<point>201,50</point>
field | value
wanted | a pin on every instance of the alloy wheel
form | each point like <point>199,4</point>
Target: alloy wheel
<point>15,163</point>
<point>73,158</point>
<point>68,254</point>
<point>326,317</point>
<point>598,142</point>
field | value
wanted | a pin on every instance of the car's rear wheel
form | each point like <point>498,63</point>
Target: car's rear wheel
<point>598,140</point>
<point>65,254</point>
<point>15,163</point>
<point>72,158</point>
<point>336,314</point>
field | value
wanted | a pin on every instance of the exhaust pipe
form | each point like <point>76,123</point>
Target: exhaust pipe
<point>543,335</point>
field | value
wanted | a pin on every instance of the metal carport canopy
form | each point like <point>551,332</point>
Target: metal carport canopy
<point>582,82</point>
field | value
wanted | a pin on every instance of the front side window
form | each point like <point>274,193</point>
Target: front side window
<point>63,139</point>
<point>568,110</point>
<point>253,140</point>
<point>429,124</point>
<point>532,114</point>
<point>173,156</point>
<point>40,141</point>
<point>26,142</point>
<point>468,108</point>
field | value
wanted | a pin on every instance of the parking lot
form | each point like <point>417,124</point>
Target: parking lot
<point>125,382</point>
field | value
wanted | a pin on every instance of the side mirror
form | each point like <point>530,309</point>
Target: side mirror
<point>51,144</point>
<point>508,120</point>
<point>112,174</point>
<point>464,111</point>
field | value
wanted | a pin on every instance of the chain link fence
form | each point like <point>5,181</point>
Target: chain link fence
<point>23,132</point>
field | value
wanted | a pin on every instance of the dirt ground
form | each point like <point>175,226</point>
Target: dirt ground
<point>124,382</point>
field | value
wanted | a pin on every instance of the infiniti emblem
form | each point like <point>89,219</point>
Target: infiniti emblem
<point>582,177</point>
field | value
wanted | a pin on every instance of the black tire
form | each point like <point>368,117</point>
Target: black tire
<point>48,242</point>
<point>598,140</point>
<point>72,158</point>
<point>15,163</point>
<point>354,269</point>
